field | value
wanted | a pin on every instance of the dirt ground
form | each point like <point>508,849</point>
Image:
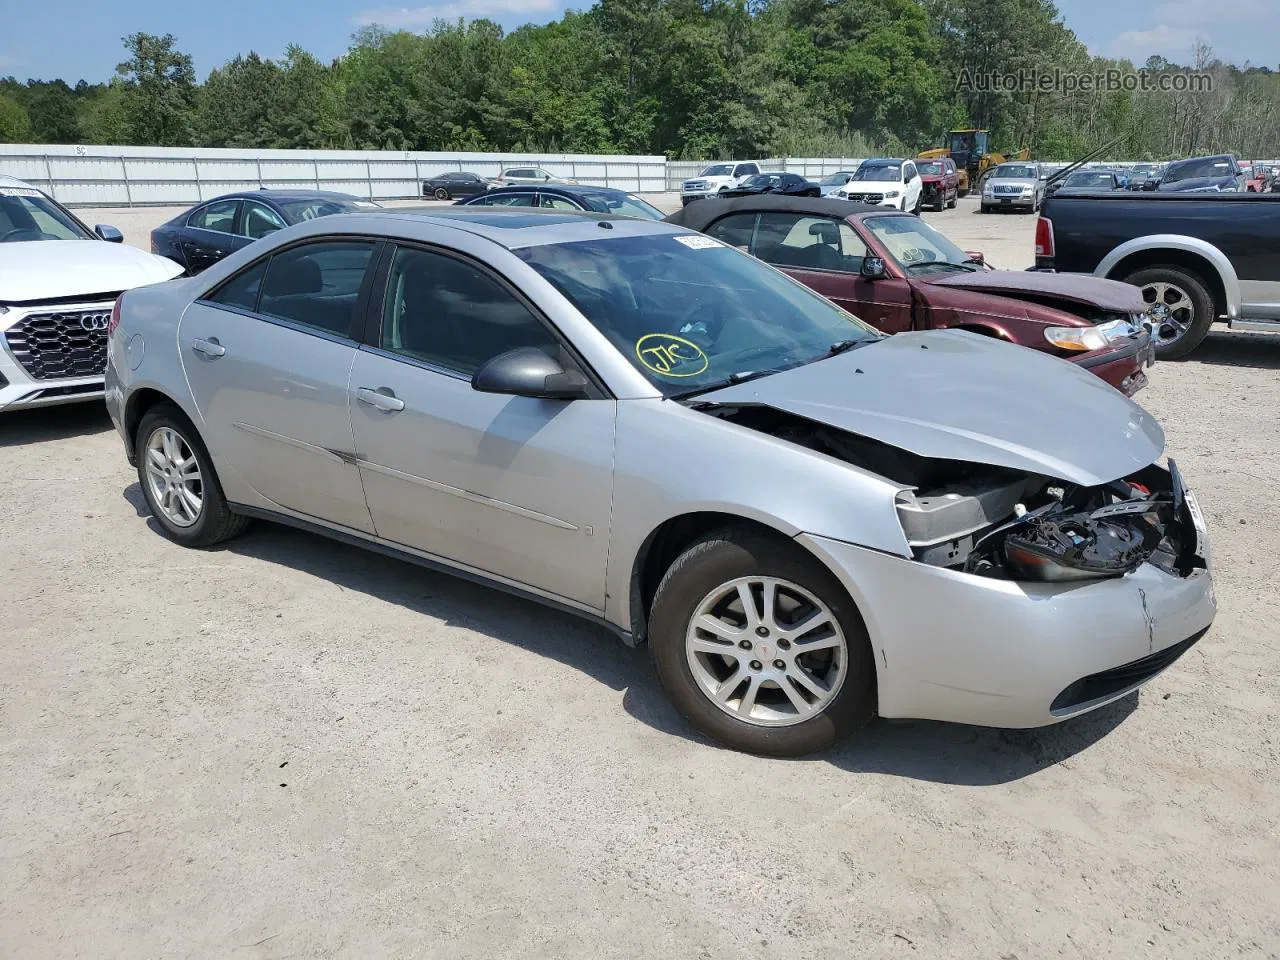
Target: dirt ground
<point>292,748</point>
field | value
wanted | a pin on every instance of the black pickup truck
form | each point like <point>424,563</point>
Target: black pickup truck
<point>1198,257</point>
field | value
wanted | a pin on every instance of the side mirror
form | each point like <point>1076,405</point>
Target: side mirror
<point>975,256</point>
<point>108,233</point>
<point>528,372</point>
<point>873,268</point>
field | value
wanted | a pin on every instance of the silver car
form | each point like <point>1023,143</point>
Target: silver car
<point>1017,185</point>
<point>809,523</point>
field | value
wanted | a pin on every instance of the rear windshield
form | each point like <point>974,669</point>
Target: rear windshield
<point>27,214</point>
<point>691,313</point>
<point>299,210</point>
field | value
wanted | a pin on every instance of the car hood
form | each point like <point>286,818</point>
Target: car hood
<point>1110,295</point>
<point>1197,183</point>
<point>955,395</point>
<point>50,269</point>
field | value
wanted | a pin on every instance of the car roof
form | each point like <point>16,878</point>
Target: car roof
<point>882,161</point>
<point>284,195</point>
<point>572,190</point>
<point>519,227</point>
<point>8,181</point>
<point>697,216</point>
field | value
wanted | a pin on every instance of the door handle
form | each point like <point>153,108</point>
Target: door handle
<point>382,398</point>
<point>210,348</point>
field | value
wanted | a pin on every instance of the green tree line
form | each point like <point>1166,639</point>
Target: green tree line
<point>690,79</point>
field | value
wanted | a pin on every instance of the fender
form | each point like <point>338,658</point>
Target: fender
<point>1174,241</point>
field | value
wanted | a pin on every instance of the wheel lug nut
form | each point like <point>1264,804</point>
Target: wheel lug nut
<point>757,665</point>
<point>745,644</point>
<point>784,644</point>
<point>762,631</point>
<point>779,665</point>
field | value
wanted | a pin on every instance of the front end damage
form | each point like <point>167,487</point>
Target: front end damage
<point>1026,598</point>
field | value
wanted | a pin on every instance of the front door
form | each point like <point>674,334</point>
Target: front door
<point>516,487</point>
<point>825,254</point>
<point>268,356</point>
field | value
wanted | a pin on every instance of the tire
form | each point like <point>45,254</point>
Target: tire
<point>710,568</point>
<point>214,522</point>
<point>983,208</point>
<point>442,194</point>
<point>919,203</point>
<point>1172,286</point>
<point>955,200</point>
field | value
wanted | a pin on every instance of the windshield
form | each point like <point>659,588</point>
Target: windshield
<point>625,205</point>
<point>718,170</point>
<point>1088,180</point>
<point>1193,169</point>
<point>27,214</point>
<point>917,247</point>
<point>932,169</point>
<point>1015,171</point>
<point>692,314</point>
<point>882,174</point>
<point>300,210</point>
<point>836,179</point>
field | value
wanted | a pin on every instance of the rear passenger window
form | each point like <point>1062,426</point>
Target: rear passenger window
<point>242,289</point>
<point>451,314</point>
<point>219,216</point>
<point>316,284</point>
<point>813,243</point>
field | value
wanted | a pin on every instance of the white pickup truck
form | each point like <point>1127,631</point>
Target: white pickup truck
<point>717,177</point>
<point>58,283</point>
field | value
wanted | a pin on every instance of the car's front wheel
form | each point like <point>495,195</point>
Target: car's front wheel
<point>759,646</point>
<point>179,482</point>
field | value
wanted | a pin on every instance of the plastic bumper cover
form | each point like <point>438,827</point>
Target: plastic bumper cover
<point>968,649</point>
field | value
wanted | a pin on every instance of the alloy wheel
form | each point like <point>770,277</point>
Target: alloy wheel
<point>766,651</point>
<point>1170,309</point>
<point>173,473</point>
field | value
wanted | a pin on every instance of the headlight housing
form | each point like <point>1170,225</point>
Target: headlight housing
<point>892,193</point>
<point>1082,339</point>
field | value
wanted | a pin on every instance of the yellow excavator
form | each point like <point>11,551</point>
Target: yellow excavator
<point>968,148</point>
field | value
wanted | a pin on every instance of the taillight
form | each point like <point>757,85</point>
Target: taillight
<point>1044,238</point>
<point>115,316</point>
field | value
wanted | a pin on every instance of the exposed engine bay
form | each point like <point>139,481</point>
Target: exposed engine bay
<point>994,522</point>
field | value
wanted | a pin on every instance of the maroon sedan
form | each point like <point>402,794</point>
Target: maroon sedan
<point>941,182</point>
<point>896,272</point>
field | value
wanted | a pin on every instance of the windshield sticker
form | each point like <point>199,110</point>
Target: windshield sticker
<point>694,242</point>
<point>670,356</point>
<point>19,192</point>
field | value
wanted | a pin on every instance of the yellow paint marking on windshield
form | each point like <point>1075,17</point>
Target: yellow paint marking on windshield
<point>664,352</point>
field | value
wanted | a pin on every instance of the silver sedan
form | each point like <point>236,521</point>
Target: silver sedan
<point>807,522</point>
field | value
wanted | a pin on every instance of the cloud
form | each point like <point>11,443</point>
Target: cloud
<point>410,17</point>
<point>6,61</point>
<point>1137,45</point>
<point>1198,13</point>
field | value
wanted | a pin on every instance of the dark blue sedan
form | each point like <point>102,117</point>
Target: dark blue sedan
<point>205,234</point>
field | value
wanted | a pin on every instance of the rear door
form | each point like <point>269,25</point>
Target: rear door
<point>515,487</point>
<point>210,234</point>
<point>825,254</point>
<point>268,356</point>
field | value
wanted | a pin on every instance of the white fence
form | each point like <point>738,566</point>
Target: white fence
<point>140,176</point>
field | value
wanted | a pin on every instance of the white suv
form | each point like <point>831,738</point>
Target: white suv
<point>56,297</point>
<point>892,183</point>
<point>716,178</point>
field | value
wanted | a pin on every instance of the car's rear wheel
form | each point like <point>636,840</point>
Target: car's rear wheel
<point>442,194</point>
<point>759,647</point>
<point>1179,306</point>
<point>179,482</point>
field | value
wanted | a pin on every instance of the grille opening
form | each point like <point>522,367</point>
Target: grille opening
<point>62,344</point>
<point>1099,686</point>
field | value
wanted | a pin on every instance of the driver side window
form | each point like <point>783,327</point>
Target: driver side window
<point>260,220</point>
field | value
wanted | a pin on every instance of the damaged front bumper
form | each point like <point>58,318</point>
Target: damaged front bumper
<point>961,647</point>
<point>1123,363</point>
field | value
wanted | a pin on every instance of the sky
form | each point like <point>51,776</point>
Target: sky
<point>75,39</point>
